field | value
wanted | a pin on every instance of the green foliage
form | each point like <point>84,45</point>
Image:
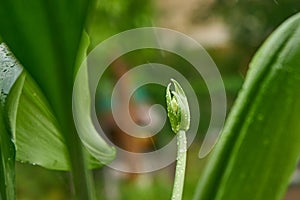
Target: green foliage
<point>7,158</point>
<point>9,70</point>
<point>259,148</point>
<point>255,155</point>
<point>45,37</point>
<point>89,136</point>
<point>38,138</point>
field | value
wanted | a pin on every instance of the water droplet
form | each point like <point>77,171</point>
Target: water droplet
<point>181,151</point>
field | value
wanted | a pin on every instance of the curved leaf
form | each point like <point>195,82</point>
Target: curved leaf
<point>37,136</point>
<point>45,37</point>
<point>89,136</point>
<point>38,139</point>
<point>259,148</point>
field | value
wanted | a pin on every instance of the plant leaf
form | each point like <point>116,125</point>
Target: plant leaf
<point>89,136</point>
<point>259,148</point>
<point>9,71</point>
<point>38,139</point>
<point>7,165</point>
<point>45,37</point>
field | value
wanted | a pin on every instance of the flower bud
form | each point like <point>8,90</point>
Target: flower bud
<point>178,108</point>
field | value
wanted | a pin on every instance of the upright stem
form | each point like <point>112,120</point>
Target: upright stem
<point>180,166</point>
<point>179,116</point>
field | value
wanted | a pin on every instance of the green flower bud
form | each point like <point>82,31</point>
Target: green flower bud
<point>174,105</point>
<point>178,108</point>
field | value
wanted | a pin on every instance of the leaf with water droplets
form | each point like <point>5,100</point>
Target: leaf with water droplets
<point>38,139</point>
<point>9,72</point>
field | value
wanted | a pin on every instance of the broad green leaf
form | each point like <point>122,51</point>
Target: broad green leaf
<point>260,144</point>
<point>37,136</point>
<point>89,136</point>
<point>45,37</point>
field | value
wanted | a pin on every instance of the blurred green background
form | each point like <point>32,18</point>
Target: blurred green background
<point>231,31</point>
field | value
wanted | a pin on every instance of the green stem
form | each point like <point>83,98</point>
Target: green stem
<point>180,166</point>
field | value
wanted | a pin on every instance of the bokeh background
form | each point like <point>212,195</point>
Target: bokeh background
<point>230,30</point>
